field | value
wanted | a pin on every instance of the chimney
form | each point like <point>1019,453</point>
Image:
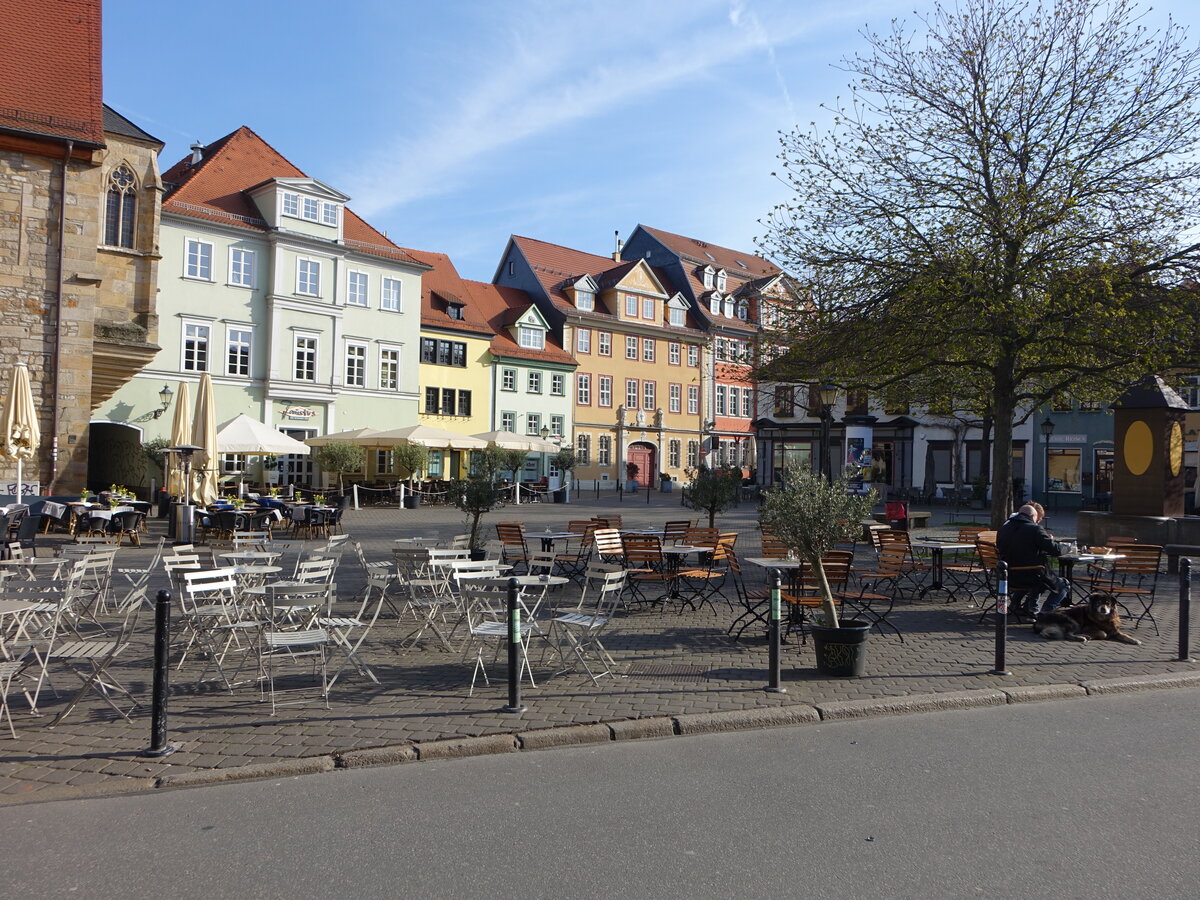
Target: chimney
<point>197,154</point>
<point>620,244</point>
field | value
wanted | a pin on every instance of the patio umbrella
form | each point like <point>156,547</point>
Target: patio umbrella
<point>204,436</point>
<point>359,436</point>
<point>425,436</point>
<point>511,441</point>
<point>752,455</point>
<point>243,434</point>
<point>21,432</point>
<point>181,436</point>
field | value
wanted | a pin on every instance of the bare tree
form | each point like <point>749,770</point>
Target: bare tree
<point>999,211</point>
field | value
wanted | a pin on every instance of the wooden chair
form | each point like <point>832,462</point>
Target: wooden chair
<point>1135,576</point>
<point>675,532</point>
<point>608,546</point>
<point>699,584</point>
<point>512,536</point>
<point>755,601</point>
<point>806,594</point>
<point>645,566</point>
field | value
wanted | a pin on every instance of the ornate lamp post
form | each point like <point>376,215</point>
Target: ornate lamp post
<point>164,397</point>
<point>1047,428</point>
<point>829,393</point>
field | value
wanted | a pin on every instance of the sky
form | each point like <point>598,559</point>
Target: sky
<point>453,125</point>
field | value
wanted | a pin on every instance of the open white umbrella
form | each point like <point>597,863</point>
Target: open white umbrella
<point>359,436</point>
<point>21,432</point>
<point>181,436</point>
<point>425,436</point>
<point>243,434</point>
<point>204,434</point>
<point>512,441</point>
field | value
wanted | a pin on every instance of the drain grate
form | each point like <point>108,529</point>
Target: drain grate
<point>667,670</point>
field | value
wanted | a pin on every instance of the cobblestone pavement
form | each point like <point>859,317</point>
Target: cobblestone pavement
<point>677,663</point>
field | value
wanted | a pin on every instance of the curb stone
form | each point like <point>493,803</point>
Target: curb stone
<point>566,736</point>
<point>283,768</point>
<point>116,785</point>
<point>639,729</point>
<point>376,756</point>
<point>1031,693</point>
<point>453,748</point>
<point>1142,683</point>
<point>917,703</point>
<point>738,719</point>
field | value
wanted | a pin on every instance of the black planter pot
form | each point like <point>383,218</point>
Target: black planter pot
<point>477,555</point>
<point>842,652</point>
<point>412,501</point>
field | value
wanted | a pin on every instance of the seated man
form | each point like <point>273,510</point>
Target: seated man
<point>1023,544</point>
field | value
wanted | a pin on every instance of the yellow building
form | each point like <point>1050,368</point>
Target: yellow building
<point>637,395</point>
<point>455,362</point>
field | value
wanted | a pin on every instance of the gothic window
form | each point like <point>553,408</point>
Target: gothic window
<point>120,212</point>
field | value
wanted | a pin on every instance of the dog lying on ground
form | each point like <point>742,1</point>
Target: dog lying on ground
<point>1095,620</point>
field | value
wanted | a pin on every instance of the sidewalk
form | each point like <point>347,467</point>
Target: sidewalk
<point>678,665</point>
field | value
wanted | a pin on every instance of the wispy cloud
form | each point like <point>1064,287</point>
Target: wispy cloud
<point>565,63</point>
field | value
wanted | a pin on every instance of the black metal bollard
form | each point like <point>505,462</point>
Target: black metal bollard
<point>1001,619</point>
<point>162,649</point>
<point>1185,609</point>
<point>648,493</point>
<point>774,674</point>
<point>514,650</point>
<point>620,491</point>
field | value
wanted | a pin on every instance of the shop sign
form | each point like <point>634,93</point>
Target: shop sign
<point>298,413</point>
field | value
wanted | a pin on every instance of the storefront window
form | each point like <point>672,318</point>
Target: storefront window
<point>1063,469</point>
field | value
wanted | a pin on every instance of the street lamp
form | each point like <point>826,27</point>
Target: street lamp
<point>828,392</point>
<point>164,397</point>
<point>1047,428</point>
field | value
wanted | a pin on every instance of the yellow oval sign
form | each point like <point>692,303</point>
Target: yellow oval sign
<point>1139,447</point>
<point>1175,450</point>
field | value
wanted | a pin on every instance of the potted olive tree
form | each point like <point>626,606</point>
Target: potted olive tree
<point>564,460</point>
<point>712,491</point>
<point>480,493</point>
<point>810,515</point>
<point>631,474</point>
<point>411,458</point>
<point>340,457</point>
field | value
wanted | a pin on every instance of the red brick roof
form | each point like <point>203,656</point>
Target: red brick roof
<point>557,268</point>
<point>501,307</point>
<point>50,70</point>
<point>443,283</point>
<point>217,190</point>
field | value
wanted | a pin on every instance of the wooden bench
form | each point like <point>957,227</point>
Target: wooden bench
<point>915,519</point>
<point>1174,551</point>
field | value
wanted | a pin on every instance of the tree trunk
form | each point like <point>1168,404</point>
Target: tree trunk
<point>1003,405</point>
<point>827,606</point>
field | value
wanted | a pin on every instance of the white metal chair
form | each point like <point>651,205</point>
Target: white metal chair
<point>581,629</point>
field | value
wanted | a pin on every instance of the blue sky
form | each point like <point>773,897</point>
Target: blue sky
<point>452,125</point>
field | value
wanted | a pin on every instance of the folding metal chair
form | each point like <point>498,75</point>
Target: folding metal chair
<point>583,627</point>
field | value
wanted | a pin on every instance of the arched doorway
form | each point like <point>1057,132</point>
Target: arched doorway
<point>644,456</point>
<point>115,456</point>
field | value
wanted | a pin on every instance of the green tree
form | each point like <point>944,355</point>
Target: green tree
<point>999,214</point>
<point>340,457</point>
<point>481,493</point>
<point>810,515</point>
<point>565,460</point>
<point>410,459</point>
<point>711,491</point>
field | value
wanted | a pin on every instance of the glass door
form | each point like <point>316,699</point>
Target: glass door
<point>294,468</point>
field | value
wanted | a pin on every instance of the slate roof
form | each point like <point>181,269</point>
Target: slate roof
<point>50,71</point>
<point>115,123</point>
<point>217,190</point>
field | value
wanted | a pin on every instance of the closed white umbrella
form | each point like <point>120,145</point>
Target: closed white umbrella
<point>243,434</point>
<point>22,436</point>
<point>204,434</point>
<point>181,436</point>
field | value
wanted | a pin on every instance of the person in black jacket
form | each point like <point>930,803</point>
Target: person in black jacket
<point>1022,541</point>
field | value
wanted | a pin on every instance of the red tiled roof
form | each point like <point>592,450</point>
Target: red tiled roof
<point>217,190</point>
<point>501,307</point>
<point>51,81</point>
<point>557,268</point>
<point>444,281</point>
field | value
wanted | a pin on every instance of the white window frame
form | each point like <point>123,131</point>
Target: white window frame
<point>585,300</point>
<point>358,287</point>
<point>648,349</point>
<point>673,354</point>
<point>604,385</point>
<point>243,265</point>
<point>693,401</point>
<point>202,269</point>
<point>531,337</point>
<point>649,394</point>
<point>391,294</point>
<point>693,355</point>
<point>633,392</point>
<point>719,401</point>
<point>677,317</point>
<point>583,449</point>
<point>556,425</point>
<point>533,382</point>
<point>326,209</point>
<point>389,364</point>
<point>721,280</point>
<point>533,424</point>
<point>631,306</point>
<point>604,343</point>
<point>508,379</point>
<point>247,330</point>
<point>315,264</point>
<point>508,422</point>
<point>648,309</point>
<point>183,351</point>
<point>583,389</point>
<point>558,384</point>
<point>675,398</point>
<point>314,351</point>
<point>310,205</point>
<point>693,454</point>
<point>631,346</point>
<point>673,447</point>
<point>604,450</point>
<point>289,199</point>
<point>583,340</point>
<point>358,356</point>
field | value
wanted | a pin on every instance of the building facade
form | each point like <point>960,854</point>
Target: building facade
<point>304,316</point>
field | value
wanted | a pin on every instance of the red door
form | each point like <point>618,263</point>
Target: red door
<point>642,456</point>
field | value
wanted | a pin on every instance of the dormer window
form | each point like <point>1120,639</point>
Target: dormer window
<point>531,338</point>
<point>714,304</point>
<point>291,205</point>
<point>743,310</point>
<point>455,311</point>
<point>727,307</point>
<point>677,318</point>
<point>309,208</point>
<point>721,280</point>
<point>329,214</point>
<point>585,300</point>
<point>708,278</point>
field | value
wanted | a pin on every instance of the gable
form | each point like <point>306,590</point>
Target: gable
<point>641,279</point>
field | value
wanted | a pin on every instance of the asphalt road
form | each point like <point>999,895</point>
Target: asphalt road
<point>1089,798</point>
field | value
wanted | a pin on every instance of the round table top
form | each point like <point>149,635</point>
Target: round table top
<point>258,570</point>
<point>546,535</point>
<point>13,607</point>
<point>252,554</point>
<point>31,561</point>
<point>684,548</point>
<point>533,580</point>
